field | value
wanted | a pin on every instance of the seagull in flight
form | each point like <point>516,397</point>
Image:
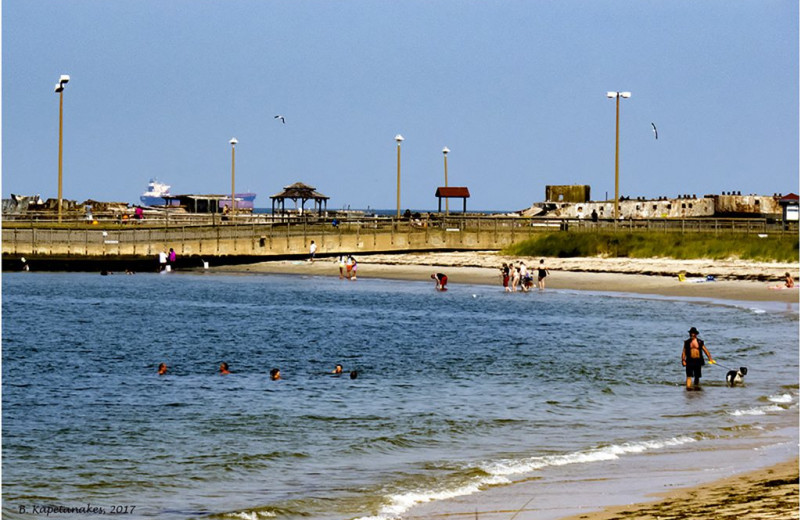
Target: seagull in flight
<point>655,130</point>
<point>283,119</point>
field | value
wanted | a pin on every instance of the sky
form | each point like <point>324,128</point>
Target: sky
<point>515,89</point>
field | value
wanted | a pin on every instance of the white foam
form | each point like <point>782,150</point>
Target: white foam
<point>783,398</point>
<point>253,515</point>
<point>402,502</point>
<point>513,467</point>
<point>763,410</point>
<point>499,471</point>
<point>758,311</point>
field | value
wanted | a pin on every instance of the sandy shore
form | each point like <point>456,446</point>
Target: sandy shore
<point>765,494</point>
<point>734,280</point>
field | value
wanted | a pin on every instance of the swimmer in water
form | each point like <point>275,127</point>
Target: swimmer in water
<point>275,374</point>
<point>223,368</point>
<point>337,370</point>
<point>162,369</point>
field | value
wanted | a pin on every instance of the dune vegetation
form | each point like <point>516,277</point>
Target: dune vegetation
<point>778,248</point>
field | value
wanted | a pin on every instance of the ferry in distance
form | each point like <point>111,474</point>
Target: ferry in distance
<point>156,191</point>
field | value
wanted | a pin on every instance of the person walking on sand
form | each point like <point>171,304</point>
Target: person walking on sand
<point>354,269</point>
<point>171,257</point>
<point>312,251</point>
<point>692,358</point>
<point>543,272</point>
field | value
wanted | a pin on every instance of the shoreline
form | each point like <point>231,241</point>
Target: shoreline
<point>767,489</point>
<point>734,280</point>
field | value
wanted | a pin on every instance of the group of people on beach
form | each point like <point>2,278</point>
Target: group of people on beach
<point>274,374</point>
<point>519,276</point>
<point>348,267</point>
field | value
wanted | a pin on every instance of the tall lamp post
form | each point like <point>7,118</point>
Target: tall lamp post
<point>445,151</point>
<point>617,96</point>
<point>233,142</point>
<point>399,139</point>
<point>62,81</point>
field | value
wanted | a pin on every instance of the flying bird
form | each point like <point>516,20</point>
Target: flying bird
<point>283,119</point>
<point>655,130</point>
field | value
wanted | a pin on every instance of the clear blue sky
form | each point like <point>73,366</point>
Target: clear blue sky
<point>515,89</point>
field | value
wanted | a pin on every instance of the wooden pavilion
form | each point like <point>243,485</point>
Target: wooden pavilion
<point>452,193</point>
<point>302,192</point>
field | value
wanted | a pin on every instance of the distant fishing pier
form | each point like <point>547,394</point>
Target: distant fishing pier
<point>84,245</point>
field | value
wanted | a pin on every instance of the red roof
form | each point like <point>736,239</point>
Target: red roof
<point>789,197</point>
<point>452,191</point>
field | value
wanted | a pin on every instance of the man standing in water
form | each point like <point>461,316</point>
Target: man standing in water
<point>692,358</point>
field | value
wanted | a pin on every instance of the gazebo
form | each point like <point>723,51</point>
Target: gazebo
<point>301,191</point>
<point>452,193</point>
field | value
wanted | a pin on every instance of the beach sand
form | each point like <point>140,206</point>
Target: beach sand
<point>734,280</point>
<point>769,492</point>
<point>765,494</point>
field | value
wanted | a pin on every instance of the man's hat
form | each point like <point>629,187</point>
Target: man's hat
<point>693,331</point>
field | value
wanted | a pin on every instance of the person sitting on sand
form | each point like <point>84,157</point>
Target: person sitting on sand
<point>223,369</point>
<point>441,281</point>
<point>789,281</point>
<point>275,374</point>
<point>162,369</point>
<point>337,370</point>
<point>692,358</point>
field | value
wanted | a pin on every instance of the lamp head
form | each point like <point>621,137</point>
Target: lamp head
<point>611,95</point>
<point>625,94</point>
<point>59,88</point>
<point>233,141</point>
<point>445,150</point>
<point>398,138</point>
<point>64,79</point>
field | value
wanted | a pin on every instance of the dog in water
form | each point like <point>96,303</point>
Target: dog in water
<point>736,377</point>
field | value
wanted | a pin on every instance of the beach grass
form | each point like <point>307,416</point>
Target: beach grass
<point>686,246</point>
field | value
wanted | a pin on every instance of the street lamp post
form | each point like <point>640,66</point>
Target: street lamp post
<point>445,151</point>
<point>233,142</point>
<point>617,96</point>
<point>62,81</point>
<point>399,139</point>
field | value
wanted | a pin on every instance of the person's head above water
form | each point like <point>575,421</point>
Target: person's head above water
<point>162,369</point>
<point>275,374</point>
<point>337,369</point>
<point>223,368</point>
<point>353,374</point>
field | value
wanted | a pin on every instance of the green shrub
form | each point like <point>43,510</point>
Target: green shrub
<point>660,245</point>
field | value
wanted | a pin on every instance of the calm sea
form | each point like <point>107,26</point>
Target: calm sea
<point>456,391</point>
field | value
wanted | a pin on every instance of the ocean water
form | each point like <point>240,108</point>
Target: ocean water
<point>456,392</point>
